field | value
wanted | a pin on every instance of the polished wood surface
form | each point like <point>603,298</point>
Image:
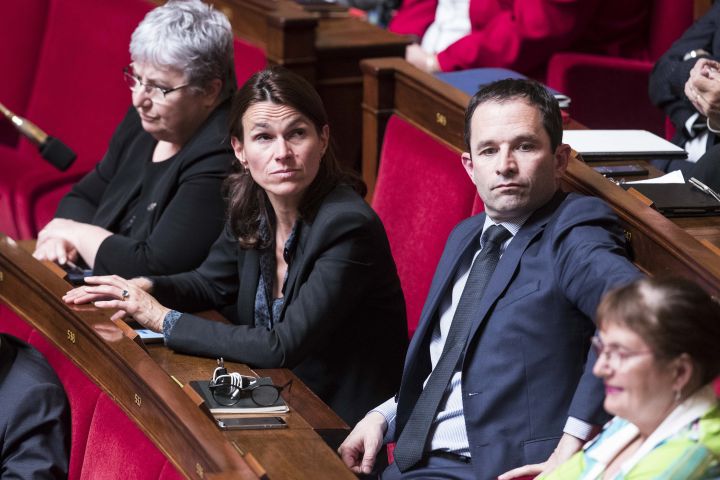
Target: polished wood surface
<point>701,7</point>
<point>325,49</point>
<point>683,246</point>
<point>138,379</point>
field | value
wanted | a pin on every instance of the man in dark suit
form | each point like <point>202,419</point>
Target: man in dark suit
<point>521,386</point>
<point>680,86</point>
<point>34,415</point>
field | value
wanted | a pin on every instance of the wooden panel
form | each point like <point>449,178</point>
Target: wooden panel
<point>139,381</point>
<point>659,246</point>
<point>324,49</point>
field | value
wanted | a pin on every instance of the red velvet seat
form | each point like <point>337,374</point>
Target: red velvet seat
<point>22,25</point>
<point>422,192</point>
<point>611,92</point>
<point>76,94</point>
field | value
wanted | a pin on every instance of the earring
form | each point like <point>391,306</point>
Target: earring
<point>678,395</point>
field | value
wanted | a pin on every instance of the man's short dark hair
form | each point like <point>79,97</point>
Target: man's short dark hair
<point>532,92</point>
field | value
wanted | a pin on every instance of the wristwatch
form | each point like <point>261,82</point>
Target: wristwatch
<point>697,53</point>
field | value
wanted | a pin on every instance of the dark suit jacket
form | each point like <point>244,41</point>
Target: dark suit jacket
<point>524,370</point>
<point>34,415</point>
<point>185,205</point>
<point>342,328</point>
<point>668,78</point>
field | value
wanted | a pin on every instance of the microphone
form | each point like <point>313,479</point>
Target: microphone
<point>51,148</point>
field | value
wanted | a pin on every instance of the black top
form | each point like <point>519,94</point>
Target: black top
<point>342,326</point>
<point>177,204</point>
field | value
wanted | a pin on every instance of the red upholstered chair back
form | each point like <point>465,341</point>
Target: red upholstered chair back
<point>39,206</point>
<point>248,60</point>
<point>22,26</point>
<point>668,21</point>
<point>79,94</point>
<point>422,192</point>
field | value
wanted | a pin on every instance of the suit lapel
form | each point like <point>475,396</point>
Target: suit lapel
<point>443,279</point>
<point>510,260</point>
<point>249,278</point>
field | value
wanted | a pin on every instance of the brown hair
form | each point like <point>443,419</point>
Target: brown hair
<point>673,316</point>
<point>247,201</point>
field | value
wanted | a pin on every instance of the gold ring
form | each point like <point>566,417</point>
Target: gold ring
<point>125,295</point>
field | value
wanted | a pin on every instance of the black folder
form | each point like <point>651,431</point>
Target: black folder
<point>677,199</point>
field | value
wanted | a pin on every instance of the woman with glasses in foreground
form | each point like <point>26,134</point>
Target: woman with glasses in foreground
<point>304,261</point>
<point>154,204</point>
<point>658,353</point>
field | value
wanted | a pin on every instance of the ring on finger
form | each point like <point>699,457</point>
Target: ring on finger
<point>125,295</point>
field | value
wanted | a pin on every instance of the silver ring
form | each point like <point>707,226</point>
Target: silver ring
<point>125,295</point>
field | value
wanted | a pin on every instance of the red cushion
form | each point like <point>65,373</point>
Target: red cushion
<point>11,323</point>
<point>606,92</point>
<point>248,60</point>
<point>117,448</point>
<point>422,192</point>
<point>82,395</point>
<point>22,25</point>
<point>668,21</point>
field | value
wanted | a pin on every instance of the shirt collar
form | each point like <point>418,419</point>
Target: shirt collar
<point>513,225</point>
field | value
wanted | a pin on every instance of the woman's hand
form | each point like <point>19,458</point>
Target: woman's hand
<point>66,239</point>
<point>55,250</point>
<point>127,296</point>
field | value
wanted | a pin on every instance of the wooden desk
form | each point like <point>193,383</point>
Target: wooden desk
<point>324,49</point>
<point>139,381</point>
<point>659,245</point>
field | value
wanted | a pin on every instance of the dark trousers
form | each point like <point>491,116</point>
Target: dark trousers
<point>432,468</point>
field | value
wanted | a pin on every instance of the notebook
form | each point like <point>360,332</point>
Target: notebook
<point>677,199</point>
<point>244,405</point>
<point>597,144</point>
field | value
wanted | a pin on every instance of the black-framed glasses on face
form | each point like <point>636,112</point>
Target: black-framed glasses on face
<point>614,356</point>
<point>154,92</point>
<point>228,388</point>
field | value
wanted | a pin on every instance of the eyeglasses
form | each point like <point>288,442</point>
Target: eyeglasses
<point>155,93</point>
<point>229,388</point>
<point>614,356</point>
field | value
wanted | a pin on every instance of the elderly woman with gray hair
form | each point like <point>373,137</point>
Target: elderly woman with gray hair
<point>154,204</point>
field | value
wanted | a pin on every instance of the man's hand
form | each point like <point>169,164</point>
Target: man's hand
<point>703,87</point>
<point>567,446</point>
<point>360,448</point>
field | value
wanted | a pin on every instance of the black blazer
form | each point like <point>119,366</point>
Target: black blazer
<point>671,72</point>
<point>342,328</point>
<point>185,205</point>
<point>34,415</point>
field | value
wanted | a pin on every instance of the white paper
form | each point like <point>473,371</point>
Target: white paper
<point>672,177</point>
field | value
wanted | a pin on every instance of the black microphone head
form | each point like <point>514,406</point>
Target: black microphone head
<point>57,153</point>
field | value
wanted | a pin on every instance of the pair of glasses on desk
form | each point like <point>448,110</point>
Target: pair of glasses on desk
<point>228,388</point>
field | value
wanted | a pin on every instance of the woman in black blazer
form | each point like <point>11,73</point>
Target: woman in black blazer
<point>154,204</point>
<point>303,259</point>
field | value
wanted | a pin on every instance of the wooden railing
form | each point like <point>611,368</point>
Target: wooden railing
<point>138,380</point>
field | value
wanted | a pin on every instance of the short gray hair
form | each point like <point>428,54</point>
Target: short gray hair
<point>190,36</point>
